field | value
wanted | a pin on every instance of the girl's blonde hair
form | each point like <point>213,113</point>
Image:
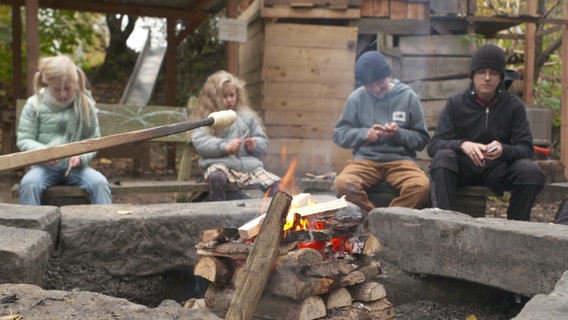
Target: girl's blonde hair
<point>63,68</point>
<point>211,95</point>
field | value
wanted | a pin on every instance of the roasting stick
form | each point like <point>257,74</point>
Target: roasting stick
<point>16,160</point>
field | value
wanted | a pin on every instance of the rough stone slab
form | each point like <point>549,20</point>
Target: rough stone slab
<point>553,306</point>
<point>32,302</point>
<point>151,239</point>
<point>45,218</point>
<point>527,258</point>
<point>23,255</point>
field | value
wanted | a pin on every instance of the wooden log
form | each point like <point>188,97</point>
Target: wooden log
<point>301,257</point>
<point>269,307</point>
<point>210,237</point>
<point>259,262</point>
<point>368,291</point>
<point>26,158</point>
<point>338,298</point>
<point>331,268</point>
<point>351,279</point>
<point>217,270</point>
<point>291,283</point>
<point>238,250</point>
<point>381,309</point>
<point>371,269</point>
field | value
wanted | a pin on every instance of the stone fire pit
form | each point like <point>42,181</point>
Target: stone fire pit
<point>137,260</point>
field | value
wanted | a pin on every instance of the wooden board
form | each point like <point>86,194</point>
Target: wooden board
<point>436,90</point>
<point>375,8</point>
<point>432,110</point>
<point>448,45</point>
<point>310,36</point>
<point>313,155</point>
<point>317,13</point>
<point>310,58</point>
<point>292,73</point>
<point>453,6</point>
<point>423,68</point>
<point>318,90</point>
<point>317,118</point>
<point>299,132</point>
<point>303,106</point>
<point>398,27</point>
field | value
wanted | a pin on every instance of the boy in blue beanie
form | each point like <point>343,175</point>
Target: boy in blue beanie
<point>483,138</point>
<point>383,123</point>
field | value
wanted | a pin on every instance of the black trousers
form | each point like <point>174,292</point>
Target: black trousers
<point>523,178</point>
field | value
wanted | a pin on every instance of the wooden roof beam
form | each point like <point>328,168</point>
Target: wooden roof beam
<point>193,12</point>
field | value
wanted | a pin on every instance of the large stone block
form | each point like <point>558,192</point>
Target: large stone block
<point>521,257</point>
<point>23,255</point>
<point>44,218</point>
<point>145,239</point>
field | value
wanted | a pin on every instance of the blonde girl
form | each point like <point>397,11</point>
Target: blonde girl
<point>231,154</point>
<point>61,110</point>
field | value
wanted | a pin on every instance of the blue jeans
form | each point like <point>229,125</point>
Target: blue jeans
<point>41,177</point>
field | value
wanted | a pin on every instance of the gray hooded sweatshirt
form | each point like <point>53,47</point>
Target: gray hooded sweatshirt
<point>362,110</point>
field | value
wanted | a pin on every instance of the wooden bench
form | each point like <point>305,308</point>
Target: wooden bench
<point>115,119</point>
<point>68,195</point>
<point>471,199</point>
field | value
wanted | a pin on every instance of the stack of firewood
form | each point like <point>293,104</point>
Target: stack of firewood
<point>329,272</point>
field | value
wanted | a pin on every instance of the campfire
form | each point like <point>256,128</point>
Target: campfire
<point>323,264</point>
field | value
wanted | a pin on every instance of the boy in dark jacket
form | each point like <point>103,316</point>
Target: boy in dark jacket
<point>483,138</point>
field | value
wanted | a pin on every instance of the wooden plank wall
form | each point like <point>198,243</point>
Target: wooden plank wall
<point>435,66</point>
<point>250,62</point>
<point>396,9</point>
<point>307,74</point>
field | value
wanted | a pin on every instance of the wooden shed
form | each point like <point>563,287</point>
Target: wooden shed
<point>299,66</point>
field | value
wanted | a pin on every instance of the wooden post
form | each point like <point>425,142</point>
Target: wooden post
<point>260,260</point>
<point>32,42</point>
<point>530,38</point>
<point>564,101</point>
<point>232,46</point>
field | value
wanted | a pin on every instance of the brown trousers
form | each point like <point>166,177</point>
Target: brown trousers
<point>404,175</point>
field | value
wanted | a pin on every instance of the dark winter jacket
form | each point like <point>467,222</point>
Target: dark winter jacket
<point>466,119</point>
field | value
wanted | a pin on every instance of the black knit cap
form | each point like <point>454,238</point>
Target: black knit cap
<point>371,66</point>
<point>488,56</point>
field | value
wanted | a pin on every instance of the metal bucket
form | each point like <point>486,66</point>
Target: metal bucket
<point>540,122</point>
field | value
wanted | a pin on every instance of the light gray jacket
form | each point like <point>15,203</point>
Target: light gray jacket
<point>211,147</point>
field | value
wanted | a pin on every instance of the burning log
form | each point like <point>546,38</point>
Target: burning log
<point>250,229</point>
<point>326,267</point>
<point>259,262</point>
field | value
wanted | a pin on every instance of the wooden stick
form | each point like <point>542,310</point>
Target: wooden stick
<point>26,158</point>
<point>260,260</point>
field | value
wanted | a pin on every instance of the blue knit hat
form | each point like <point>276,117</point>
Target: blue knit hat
<point>371,66</point>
